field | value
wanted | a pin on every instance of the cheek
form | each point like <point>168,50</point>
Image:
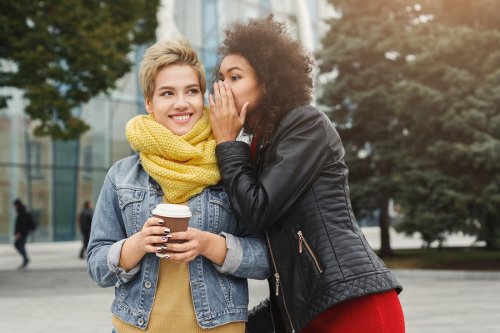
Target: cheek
<point>197,103</point>
<point>199,109</point>
<point>237,101</point>
<point>237,96</point>
<point>253,98</point>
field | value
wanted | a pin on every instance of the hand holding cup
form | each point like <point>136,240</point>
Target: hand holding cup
<point>175,218</point>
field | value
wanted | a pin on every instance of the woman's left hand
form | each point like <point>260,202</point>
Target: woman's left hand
<point>184,246</point>
<point>194,243</point>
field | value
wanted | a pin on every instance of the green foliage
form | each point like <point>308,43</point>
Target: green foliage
<point>62,53</point>
<point>455,258</point>
<point>417,102</point>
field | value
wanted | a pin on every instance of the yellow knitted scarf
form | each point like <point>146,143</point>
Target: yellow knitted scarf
<point>182,165</point>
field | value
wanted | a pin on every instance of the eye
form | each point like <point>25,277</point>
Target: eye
<point>193,91</point>
<point>235,77</point>
<point>167,93</point>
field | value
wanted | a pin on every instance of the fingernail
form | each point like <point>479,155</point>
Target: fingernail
<point>164,238</point>
<point>166,256</point>
<point>163,246</point>
<point>159,249</point>
<point>160,222</point>
<point>167,230</point>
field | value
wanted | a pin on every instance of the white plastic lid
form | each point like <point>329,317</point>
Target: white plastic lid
<point>172,210</point>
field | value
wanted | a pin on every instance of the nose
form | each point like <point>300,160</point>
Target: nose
<point>180,103</point>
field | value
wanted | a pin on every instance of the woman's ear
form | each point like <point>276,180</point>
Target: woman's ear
<point>147,103</point>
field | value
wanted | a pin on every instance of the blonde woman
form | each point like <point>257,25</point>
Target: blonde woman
<point>201,284</point>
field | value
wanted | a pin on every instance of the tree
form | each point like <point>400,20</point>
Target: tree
<point>417,89</point>
<point>454,99</point>
<point>358,48</point>
<point>62,53</point>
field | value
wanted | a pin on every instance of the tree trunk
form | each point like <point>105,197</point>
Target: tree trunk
<point>384,223</point>
<point>491,232</point>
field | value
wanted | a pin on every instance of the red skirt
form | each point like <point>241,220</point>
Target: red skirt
<point>376,313</point>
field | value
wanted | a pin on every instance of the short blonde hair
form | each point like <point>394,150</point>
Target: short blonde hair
<point>165,53</point>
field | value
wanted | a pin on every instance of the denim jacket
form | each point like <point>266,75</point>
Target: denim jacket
<point>220,293</point>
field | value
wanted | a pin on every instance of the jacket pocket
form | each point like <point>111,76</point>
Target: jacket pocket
<point>304,247</point>
<point>220,215</point>
<point>127,196</point>
<point>130,202</point>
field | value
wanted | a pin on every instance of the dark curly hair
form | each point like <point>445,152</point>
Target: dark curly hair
<point>280,63</point>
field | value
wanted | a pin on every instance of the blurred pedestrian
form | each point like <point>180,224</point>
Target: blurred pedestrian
<point>85,222</point>
<point>24,224</point>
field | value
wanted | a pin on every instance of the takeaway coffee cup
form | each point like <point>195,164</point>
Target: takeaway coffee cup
<point>176,218</point>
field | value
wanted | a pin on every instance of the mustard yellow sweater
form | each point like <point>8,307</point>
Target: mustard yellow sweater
<point>173,309</point>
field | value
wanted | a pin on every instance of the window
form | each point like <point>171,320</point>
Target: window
<point>35,159</point>
<point>87,162</point>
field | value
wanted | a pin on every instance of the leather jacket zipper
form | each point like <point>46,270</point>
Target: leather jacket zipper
<point>302,241</point>
<point>277,280</point>
<point>272,317</point>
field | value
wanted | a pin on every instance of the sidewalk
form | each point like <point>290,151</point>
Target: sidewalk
<point>55,294</point>
<point>64,255</point>
<point>44,256</point>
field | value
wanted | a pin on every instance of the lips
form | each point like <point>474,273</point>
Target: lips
<point>181,118</point>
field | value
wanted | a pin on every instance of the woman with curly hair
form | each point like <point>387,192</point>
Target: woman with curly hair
<point>291,184</point>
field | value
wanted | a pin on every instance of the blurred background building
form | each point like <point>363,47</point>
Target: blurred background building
<point>54,178</point>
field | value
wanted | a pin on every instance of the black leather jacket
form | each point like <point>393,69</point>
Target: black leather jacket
<point>298,194</point>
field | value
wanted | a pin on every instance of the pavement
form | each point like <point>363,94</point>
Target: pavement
<point>55,294</point>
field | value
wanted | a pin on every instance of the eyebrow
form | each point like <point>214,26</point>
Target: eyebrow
<point>173,88</point>
<point>231,69</point>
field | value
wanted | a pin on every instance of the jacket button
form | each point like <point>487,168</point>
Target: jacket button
<point>140,322</point>
<point>147,284</point>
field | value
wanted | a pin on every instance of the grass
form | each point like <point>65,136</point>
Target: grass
<point>456,258</point>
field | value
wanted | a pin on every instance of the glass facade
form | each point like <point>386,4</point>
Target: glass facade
<point>54,178</point>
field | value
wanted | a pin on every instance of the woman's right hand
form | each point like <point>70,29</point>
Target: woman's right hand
<point>225,120</point>
<point>152,235</point>
<point>149,240</point>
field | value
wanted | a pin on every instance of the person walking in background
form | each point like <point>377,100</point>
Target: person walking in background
<point>24,224</point>
<point>85,222</point>
<point>291,183</point>
<point>199,284</point>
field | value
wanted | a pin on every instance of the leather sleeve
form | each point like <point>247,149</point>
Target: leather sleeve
<point>295,157</point>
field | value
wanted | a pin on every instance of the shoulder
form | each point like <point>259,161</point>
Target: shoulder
<point>305,119</point>
<point>126,163</point>
<point>304,112</point>
<point>306,116</point>
<point>309,122</point>
<point>128,169</point>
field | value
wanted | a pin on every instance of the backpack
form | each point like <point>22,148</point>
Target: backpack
<point>32,225</point>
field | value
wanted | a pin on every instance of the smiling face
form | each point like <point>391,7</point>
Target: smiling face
<point>177,101</point>
<point>236,71</point>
